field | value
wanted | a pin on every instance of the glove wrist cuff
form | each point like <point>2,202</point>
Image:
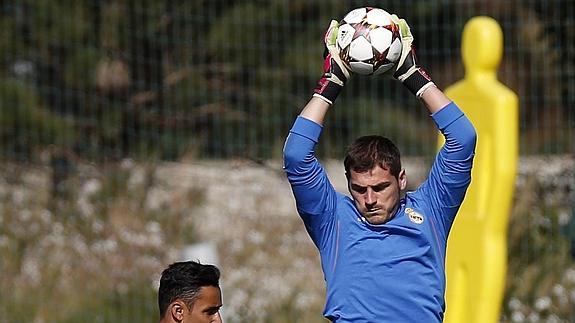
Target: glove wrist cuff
<point>327,90</point>
<point>418,82</point>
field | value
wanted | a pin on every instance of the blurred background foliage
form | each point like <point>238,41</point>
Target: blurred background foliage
<point>95,94</point>
<point>219,79</point>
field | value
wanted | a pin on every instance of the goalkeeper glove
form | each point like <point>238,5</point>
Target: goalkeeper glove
<point>414,77</point>
<point>335,72</point>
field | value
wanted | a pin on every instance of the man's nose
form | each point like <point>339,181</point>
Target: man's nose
<point>370,198</point>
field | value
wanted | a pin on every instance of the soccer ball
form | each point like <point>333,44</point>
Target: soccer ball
<point>369,41</point>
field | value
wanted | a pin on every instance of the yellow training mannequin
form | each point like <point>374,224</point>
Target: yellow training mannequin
<point>477,246</point>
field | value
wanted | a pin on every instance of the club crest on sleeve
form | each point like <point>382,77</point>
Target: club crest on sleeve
<point>414,216</point>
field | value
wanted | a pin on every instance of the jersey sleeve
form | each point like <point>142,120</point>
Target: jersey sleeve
<point>314,194</point>
<point>450,173</point>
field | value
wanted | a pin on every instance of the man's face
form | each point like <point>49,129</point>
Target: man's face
<point>376,193</point>
<point>206,308</point>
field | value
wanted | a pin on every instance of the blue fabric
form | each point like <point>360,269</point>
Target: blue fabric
<point>383,273</point>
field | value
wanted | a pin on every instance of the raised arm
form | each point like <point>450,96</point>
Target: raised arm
<point>315,110</point>
<point>412,76</point>
<point>315,196</point>
<point>450,174</point>
<point>334,77</point>
<point>434,99</point>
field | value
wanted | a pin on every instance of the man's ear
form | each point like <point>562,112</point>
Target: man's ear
<point>177,309</point>
<point>402,179</point>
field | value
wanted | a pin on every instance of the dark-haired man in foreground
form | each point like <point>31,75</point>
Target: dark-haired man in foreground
<point>190,293</point>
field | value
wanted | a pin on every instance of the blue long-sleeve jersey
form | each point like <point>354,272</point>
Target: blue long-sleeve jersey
<point>392,272</point>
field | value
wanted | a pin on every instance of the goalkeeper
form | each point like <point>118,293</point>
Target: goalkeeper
<point>382,255</point>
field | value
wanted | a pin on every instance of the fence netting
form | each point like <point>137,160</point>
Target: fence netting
<point>220,79</point>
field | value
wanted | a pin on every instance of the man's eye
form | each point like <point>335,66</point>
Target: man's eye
<point>360,190</point>
<point>379,188</point>
<point>212,311</point>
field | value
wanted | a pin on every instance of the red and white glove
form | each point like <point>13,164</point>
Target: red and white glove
<point>414,77</point>
<point>335,73</point>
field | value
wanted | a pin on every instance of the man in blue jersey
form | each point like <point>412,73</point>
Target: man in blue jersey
<point>382,255</point>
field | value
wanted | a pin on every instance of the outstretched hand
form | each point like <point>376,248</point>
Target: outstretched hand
<point>335,73</point>
<point>332,56</point>
<point>408,72</point>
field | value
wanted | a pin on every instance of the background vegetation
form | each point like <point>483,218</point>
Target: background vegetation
<point>108,79</point>
<point>94,252</point>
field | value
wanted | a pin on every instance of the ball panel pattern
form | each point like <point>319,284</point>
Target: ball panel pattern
<point>355,16</point>
<point>369,41</point>
<point>360,49</point>
<point>380,39</point>
<point>378,17</point>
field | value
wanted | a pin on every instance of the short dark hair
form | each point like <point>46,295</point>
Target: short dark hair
<point>183,280</point>
<point>367,152</point>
